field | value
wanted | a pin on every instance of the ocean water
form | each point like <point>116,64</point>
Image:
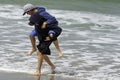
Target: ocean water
<point>90,40</point>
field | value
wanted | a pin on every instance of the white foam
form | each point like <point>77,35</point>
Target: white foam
<point>13,56</point>
<point>79,17</point>
<point>65,16</point>
<point>11,12</point>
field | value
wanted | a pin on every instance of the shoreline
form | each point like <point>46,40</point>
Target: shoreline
<point>24,76</point>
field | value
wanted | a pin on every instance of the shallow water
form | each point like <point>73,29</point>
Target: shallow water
<point>90,44</point>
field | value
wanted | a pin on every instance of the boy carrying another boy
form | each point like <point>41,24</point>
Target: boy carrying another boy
<point>47,31</point>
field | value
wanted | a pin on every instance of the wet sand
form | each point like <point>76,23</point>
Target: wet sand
<point>23,76</point>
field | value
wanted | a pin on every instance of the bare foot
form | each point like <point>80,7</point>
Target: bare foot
<point>53,68</point>
<point>60,54</point>
<point>37,73</point>
<point>30,52</point>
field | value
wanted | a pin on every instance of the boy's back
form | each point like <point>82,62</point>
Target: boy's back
<point>37,20</point>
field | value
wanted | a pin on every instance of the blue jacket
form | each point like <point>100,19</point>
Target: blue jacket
<point>49,18</point>
<point>37,20</point>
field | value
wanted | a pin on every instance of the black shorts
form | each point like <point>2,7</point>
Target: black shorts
<point>43,47</point>
<point>57,33</point>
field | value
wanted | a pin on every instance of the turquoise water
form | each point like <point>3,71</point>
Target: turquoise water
<point>101,6</point>
<point>90,41</point>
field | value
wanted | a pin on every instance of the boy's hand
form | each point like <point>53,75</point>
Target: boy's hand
<point>51,35</point>
<point>47,38</point>
<point>43,25</point>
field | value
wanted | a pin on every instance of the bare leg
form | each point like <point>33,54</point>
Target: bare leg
<point>33,41</point>
<point>40,60</point>
<point>49,62</point>
<point>58,48</point>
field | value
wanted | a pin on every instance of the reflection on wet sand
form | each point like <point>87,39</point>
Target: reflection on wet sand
<point>40,77</point>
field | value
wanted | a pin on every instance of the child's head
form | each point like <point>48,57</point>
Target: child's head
<point>29,9</point>
<point>36,19</point>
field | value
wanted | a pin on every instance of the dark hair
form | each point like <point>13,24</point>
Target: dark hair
<point>36,19</point>
<point>33,9</point>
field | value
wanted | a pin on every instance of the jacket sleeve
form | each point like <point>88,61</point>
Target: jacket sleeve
<point>50,19</point>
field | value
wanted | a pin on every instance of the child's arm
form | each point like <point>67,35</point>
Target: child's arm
<point>48,38</point>
<point>44,25</point>
<point>49,18</point>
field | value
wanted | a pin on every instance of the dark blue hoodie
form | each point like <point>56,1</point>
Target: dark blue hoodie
<point>51,20</point>
<point>37,21</point>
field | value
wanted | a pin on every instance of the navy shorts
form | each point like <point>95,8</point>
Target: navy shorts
<point>33,33</point>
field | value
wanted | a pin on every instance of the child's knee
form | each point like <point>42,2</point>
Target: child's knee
<point>39,53</point>
<point>31,37</point>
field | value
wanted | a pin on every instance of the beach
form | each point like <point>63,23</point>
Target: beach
<point>22,76</point>
<point>90,40</point>
<point>14,76</point>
